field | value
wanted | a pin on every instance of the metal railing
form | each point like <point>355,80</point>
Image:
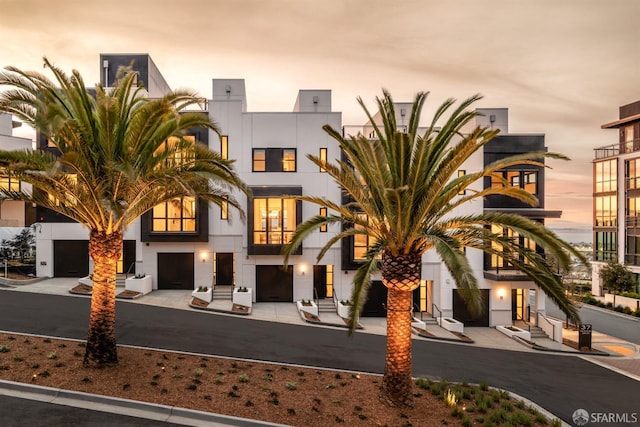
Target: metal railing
<point>316,299</point>
<point>618,148</point>
<point>126,275</point>
<point>433,313</point>
<point>419,311</point>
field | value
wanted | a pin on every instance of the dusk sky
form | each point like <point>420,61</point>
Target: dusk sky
<point>562,68</point>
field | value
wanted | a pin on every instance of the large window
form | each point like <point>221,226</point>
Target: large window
<point>498,261</point>
<point>274,220</point>
<point>606,176</point>
<point>632,174</point>
<point>606,211</point>
<point>527,180</point>
<point>605,246</point>
<point>8,183</point>
<point>361,244</point>
<point>274,160</point>
<point>180,156</point>
<point>176,215</point>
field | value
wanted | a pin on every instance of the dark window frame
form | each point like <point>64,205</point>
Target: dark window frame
<point>274,159</point>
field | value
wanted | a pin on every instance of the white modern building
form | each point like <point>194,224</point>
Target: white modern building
<point>187,244</point>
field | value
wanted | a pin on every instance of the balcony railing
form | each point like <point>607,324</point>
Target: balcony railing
<point>617,149</point>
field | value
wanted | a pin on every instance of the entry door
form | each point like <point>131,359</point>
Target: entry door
<point>320,280</point>
<point>273,284</point>
<point>175,271</point>
<point>518,304</point>
<point>224,268</point>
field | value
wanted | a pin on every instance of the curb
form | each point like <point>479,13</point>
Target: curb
<point>121,406</point>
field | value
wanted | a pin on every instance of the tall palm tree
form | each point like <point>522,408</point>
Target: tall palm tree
<point>405,190</point>
<point>119,155</point>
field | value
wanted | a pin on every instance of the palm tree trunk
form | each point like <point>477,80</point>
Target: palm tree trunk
<point>401,275</point>
<point>104,250</point>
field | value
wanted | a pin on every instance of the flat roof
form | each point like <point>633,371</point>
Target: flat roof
<point>620,122</point>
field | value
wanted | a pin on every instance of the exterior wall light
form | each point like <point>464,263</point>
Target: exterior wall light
<point>501,293</point>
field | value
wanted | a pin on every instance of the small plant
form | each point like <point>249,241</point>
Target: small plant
<point>243,289</point>
<point>52,356</point>
<point>46,340</point>
<point>76,353</point>
<point>18,358</point>
<point>291,411</point>
<point>199,372</point>
<point>244,378</point>
<point>450,398</point>
<point>202,289</point>
<point>153,383</point>
<point>233,394</point>
<point>556,423</point>
<point>345,302</point>
<point>291,385</point>
<point>126,386</point>
<point>6,368</point>
<point>218,380</point>
<point>192,387</point>
<point>248,404</point>
<point>59,365</point>
<point>4,349</point>
<point>336,401</point>
<point>268,377</point>
<point>139,276</point>
<point>331,385</point>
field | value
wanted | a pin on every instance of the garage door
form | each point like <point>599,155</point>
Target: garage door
<point>175,271</point>
<point>376,300</point>
<point>461,311</point>
<point>70,258</point>
<point>273,284</point>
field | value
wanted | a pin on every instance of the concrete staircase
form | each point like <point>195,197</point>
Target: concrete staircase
<point>537,333</point>
<point>222,293</point>
<point>326,306</point>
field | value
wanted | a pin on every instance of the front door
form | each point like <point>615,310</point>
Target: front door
<point>518,304</point>
<point>224,268</point>
<point>320,280</point>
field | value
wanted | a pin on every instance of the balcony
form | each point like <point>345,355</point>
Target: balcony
<point>500,274</point>
<point>614,150</point>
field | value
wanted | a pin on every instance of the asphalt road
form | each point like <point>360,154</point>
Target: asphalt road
<point>559,383</point>
<point>15,412</point>
<point>605,322</point>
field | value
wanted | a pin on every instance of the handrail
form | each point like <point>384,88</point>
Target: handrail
<point>315,298</point>
<point>433,306</point>
<point>421,312</point>
<point>335,300</point>
<point>525,322</point>
<point>553,325</point>
<point>126,275</point>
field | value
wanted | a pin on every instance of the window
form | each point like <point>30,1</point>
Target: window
<point>224,147</point>
<point>606,176</point>
<point>632,174</point>
<point>8,183</point>
<point>274,220</point>
<point>628,139</point>
<point>323,158</point>
<point>224,209</point>
<point>606,211</point>
<point>323,212</point>
<point>361,244</point>
<point>274,160</point>
<point>176,215</point>
<point>259,160</point>
<point>526,180</point>
<point>605,246</point>
<point>462,173</point>
<point>498,261</point>
<point>180,156</point>
<point>329,280</point>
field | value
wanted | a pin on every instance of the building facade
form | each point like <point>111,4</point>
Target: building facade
<point>616,197</point>
<point>186,244</point>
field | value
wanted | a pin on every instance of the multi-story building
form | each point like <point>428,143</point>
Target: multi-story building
<point>185,244</point>
<point>616,196</point>
<point>13,213</point>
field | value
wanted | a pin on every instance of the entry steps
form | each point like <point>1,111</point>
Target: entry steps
<point>326,306</point>
<point>222,293</point>
<point>537,332</point>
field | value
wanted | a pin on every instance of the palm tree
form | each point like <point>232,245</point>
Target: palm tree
<point>120,154</point>
<point>404,192</point>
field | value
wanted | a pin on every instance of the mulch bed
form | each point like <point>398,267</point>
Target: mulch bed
<point>236,308</point>
<point>81,289</point>
<point>129,294</point>
<point>573,344</point>
<point>199,303</point>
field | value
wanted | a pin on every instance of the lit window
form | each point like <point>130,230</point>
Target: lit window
<point>323,212</point>
<point>462,173</point>
<point>526,180</point>
<point>259,160</point>
<point>274,220</point>
<point>323,158</point>
<point>180,156</point>
<point>8,183</point>
<point>361,244</point>
<point>176,215</point>
<point>224,147</point>
<point>288,160</point>
<point>224,209</point>
<point>329,280</point>
<point>274,160</point>
<point>530,182</point>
